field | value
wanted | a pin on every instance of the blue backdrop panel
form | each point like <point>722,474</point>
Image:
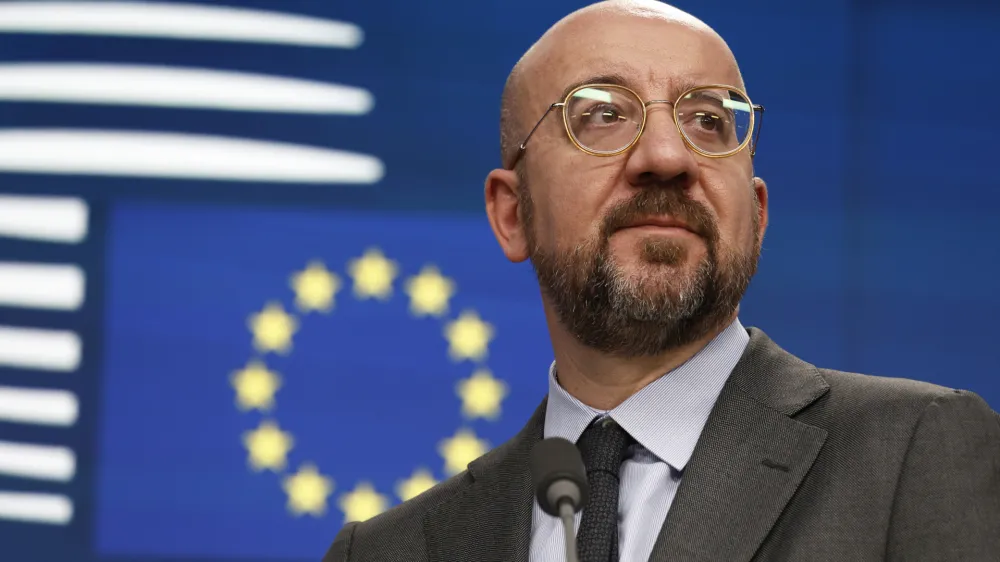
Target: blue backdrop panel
<point>926,232</point>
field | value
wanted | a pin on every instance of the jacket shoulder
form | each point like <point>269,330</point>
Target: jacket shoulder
<point>396,534</point>
<point>894,404</point>
<point>880,388</point>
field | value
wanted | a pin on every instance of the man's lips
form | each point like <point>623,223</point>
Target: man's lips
<point>659,222</point>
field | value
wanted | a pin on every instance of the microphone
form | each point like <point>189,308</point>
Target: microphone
<point>560,481</point>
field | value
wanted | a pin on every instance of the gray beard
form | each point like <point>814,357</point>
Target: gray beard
<point>654,311</point>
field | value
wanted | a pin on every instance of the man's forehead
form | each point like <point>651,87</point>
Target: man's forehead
<point>656,56</point>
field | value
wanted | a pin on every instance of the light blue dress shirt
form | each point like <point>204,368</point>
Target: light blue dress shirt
<point>666,418</point>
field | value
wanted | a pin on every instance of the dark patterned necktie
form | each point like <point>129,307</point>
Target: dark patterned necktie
<point>603,446</point>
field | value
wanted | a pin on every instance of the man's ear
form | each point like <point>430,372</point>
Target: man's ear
<point>503,211</point>
<point>760,188</point>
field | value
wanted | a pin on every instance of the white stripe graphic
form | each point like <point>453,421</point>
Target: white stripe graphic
<point>37,285</point>
<point>36,508</point>
<point>177,87</point>
<point>42,462</point>
<point>38,406</point>
<point>183,156</point>
<point>33,348</point>
<point>47,219</point>
<point>177,21</point>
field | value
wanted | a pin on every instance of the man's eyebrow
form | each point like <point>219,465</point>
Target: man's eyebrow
<point>609,78</point>
<point>621,80</point>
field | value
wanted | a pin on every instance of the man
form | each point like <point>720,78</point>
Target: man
<point>627,143</point>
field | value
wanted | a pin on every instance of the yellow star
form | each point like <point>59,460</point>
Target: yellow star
<point>268,446</point>
<point>273,328</point>
<point>373,275</point>
<point>255,386</point>
<point>420,482</point>
<point>481,395</point>
<point>460,450</point>
<point>315,287</point>
<point>307,491</point>
<point>363,503</point>
<point>468,337</point>
<point>429,292</point>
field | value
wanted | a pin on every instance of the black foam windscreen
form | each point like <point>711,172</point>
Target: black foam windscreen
<point>556,459</point>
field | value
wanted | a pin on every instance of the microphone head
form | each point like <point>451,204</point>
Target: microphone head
<point>558,474</point>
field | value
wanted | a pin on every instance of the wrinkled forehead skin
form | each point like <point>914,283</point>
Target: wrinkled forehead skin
<point>659,50</point>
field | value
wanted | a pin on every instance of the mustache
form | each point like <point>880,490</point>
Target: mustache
<point>665,201</point>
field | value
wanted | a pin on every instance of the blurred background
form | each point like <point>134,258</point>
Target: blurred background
<point>248,290</point>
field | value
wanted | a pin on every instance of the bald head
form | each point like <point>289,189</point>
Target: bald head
<point>570,43</point>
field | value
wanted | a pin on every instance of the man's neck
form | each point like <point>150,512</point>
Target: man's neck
<point>603,381</point>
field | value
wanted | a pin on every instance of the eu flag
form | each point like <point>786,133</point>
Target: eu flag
<point>273,373</point>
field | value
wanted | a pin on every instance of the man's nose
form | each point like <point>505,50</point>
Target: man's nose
<point>661,156</point>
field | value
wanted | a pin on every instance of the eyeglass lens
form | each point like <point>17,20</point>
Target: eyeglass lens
<point>607,119</point>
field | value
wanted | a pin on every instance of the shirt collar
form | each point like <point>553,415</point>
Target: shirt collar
<point>667,416</point>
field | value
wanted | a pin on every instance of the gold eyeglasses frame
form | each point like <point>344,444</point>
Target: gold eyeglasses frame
<point>752,135</point>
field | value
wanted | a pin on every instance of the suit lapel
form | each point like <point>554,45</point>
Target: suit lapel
<point>490,521</point>
<point>750,459</point>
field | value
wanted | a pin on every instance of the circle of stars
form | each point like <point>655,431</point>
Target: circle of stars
<point>372,276</point>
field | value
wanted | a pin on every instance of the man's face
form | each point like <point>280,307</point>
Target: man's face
<point>618,283</point>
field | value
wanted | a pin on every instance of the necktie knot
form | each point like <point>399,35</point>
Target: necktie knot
<point>603,446</point>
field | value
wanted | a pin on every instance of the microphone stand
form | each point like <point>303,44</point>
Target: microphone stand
<point>566,513</point>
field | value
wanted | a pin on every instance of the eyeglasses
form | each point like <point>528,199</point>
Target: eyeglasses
<point>715,121</point>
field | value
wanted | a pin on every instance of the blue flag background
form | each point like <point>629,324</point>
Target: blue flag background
<point>368,392</point>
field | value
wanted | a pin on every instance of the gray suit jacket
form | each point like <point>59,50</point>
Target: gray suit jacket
<point>795,463</point>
